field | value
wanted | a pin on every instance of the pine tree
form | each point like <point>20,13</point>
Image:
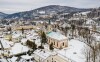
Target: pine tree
<point>31,45</point>
<point>9,29</point>
<point>22,31</point>
<point>43,38</point>
<point>41,47</point>
<point>51,46</point>
<point>73,28</point>
<point>34,46</point>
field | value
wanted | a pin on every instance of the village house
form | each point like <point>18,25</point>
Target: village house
<point>16,37</point>
<point>18,48</point>
<point>90,22</point>
<point>59,41</point>
<point>46,56</point>
<point>41,55</point>
<point>7,37</point>
<point>26,58</point>
<point>5,46</point>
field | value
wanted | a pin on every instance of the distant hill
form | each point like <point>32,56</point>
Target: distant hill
<point>2,15</point>
<point>58,8</point>
<point>44,10</point>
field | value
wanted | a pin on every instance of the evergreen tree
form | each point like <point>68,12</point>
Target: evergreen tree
<point>34,46</point>
<point>51,46</point>
<point>41,47</point>
<point>22,31</point>
<point>9,29</point>
<point>73,28</point>
<point>43,38</point>
<point>31,45</point>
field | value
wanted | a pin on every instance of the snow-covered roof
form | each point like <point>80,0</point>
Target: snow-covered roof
<point>74,51</point>
<point>56,35</point>
<point>31,35</point>
<point>5,43</point>
<point>90,21</point>
<point>74,19</point>
<point>85,13</point>
<point>96,36</point>
<point>38,42</point>
<point>13,59</point>
<point>16,35</point>
<point>65,25</point>
<point>42,12</point>
<point>24,40</point>
<point>3,60</point>
<point>27,57</point>
<point>42,54</point>
<point>18,48</point>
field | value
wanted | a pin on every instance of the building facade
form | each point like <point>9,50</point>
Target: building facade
<point>59,41</point>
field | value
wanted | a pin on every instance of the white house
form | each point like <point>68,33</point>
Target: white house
<point>41,55</point>
<point>90,22</point>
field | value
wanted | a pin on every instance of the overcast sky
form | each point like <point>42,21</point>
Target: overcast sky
<point>12,6</point>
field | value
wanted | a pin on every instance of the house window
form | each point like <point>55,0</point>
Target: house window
<point>63,43</point>
<point>49,41</point>
<point>57,44</point>
<point>54,43</point>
